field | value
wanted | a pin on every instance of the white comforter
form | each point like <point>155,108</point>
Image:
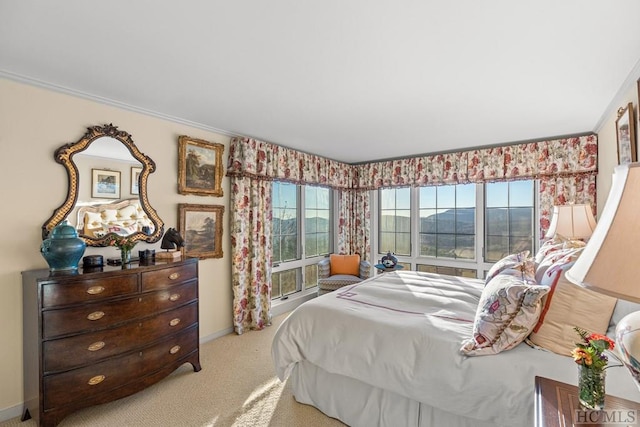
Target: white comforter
<point>402,331</point>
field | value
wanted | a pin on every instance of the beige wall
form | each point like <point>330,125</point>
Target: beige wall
<point>33,123</point>
<point>608,145</point>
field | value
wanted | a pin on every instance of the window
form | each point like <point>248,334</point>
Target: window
<point>298,245</point>
<point>448,221</point>
<point>457,229</point>
<point>509,217</point>
<point>395,221</point>
<point>285,222</point>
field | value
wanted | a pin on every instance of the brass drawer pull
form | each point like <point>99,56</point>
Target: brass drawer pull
<point>174,276</point>
<point>98,345</point>
<point>174,322</point>
<point>174,297</point>
<point>174,349</point>
<point>96,380</point>
<point>96,315</point>
<point>95,290</point>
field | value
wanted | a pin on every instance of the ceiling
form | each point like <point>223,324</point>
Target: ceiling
<point>352,80</point>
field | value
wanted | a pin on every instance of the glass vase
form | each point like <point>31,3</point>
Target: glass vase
<point>125,257</point>
<point>591,385</point>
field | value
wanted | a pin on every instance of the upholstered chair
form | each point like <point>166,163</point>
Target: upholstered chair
<point>337,271</point>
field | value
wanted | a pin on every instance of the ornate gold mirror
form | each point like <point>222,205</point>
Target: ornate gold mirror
<point>107,188</point>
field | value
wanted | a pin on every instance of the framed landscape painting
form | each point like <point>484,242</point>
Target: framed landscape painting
<point>625,134</point>
<point>105,184</point>
<point>201,228</point>
<point>135,179</point>
<point>199,167</point>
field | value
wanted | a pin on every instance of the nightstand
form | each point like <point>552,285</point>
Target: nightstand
<point>557,406</point>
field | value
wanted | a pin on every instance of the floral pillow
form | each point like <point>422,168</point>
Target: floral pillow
<point>509,308</point>
<point>519,264</point>
<point>553,261</point>
<point>557,243</point>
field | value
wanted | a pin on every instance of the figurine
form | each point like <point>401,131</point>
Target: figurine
<point>171,240</point>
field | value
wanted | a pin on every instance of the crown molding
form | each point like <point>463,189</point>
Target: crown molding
<point>620,98</point>
<point>110,102</point>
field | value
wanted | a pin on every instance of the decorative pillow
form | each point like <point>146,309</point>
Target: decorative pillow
<point>556,259</point>
<point>520,262</point>
<point>566,306</point>
<point>119,229</point>
<point>345,264</point>
<point>557,243</point>
<point>508,310</point>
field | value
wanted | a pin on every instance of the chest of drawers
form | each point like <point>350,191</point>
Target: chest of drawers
<point>90,338</point>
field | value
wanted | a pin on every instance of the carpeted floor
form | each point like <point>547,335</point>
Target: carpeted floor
<point>237,386</point>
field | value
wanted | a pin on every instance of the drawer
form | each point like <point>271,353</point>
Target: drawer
<point>169,276</point>
<point>67,353</point>
<point>97,316</point>
<point>88,382</point>
<point>57,294</point>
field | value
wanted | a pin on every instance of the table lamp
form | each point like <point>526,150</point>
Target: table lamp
<point>610,262</point>
<point>572,222</point>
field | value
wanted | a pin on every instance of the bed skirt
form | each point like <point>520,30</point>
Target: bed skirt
<point>358,404</point>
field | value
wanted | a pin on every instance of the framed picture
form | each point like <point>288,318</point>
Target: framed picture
<point>201,228</point>
<point>199,167</point>
<point>105,184</point>
<point>626,135</point>
<point>135,179</point>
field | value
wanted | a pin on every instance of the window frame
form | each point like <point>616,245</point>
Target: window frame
<point>479,264</point>
<point>302,261</point>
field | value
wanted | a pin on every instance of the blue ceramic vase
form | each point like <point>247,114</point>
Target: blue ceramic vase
<point>63,249</point>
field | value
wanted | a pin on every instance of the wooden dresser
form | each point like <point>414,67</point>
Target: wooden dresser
<point>94,337</point>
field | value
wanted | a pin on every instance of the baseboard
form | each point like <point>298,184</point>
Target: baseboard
<point>9,413</point>
<point>216,335</point>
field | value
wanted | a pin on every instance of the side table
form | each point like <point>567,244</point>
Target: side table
<point>557,406</point>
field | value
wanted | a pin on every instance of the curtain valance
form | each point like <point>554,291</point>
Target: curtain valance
<point>558,157</point>
<point>262,160</point>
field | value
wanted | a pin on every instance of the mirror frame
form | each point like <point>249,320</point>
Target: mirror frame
<point>64,156</point>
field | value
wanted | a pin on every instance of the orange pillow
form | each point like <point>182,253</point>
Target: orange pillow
<point>345,264</point>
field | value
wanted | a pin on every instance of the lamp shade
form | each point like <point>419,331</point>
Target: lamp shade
<point>572,221</point>
<point>610,262</point>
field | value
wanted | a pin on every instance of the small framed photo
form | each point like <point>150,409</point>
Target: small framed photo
<point>135,180</point>
<point>199,167</point>
<point>105,184</point>
<point>626,135</point>
<point>201,228</point>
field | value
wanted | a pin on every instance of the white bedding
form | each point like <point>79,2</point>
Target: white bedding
<point>402,332</point>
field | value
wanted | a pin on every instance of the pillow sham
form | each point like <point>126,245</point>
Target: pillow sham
<point>508,310</point>
<point>520,262</point>
<point>553,261</point>
<point>568,305</point>
<point>556,243</point>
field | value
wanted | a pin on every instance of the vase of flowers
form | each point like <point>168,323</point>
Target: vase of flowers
<point>125,244</point>
<point>592,365</point>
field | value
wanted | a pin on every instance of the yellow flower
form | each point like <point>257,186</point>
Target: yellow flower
<point>581,357</point>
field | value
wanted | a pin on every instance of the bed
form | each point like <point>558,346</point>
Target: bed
<point>386,352</point>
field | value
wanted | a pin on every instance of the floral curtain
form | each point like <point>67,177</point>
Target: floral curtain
<point>566,169</point>
<point>354,222</point>
<point>251,253</point>
<point>563,190</point>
